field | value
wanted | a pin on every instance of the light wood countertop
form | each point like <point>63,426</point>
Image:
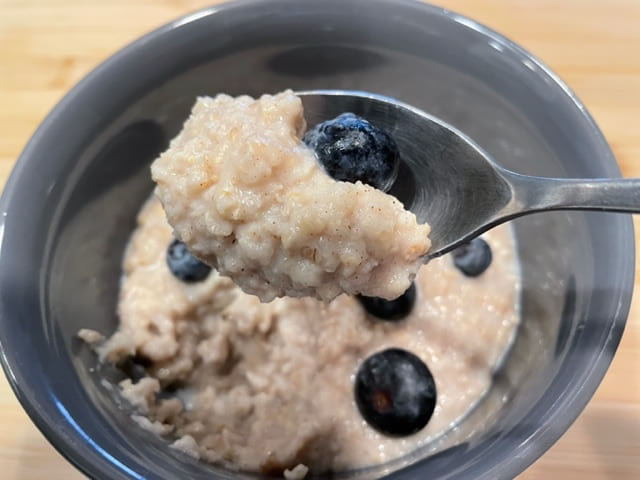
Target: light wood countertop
<point>46,46</point>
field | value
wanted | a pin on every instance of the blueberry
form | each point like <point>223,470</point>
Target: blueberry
<point>351,149</point>
<point>390,309</point>
<point>395,392</point>
<point>184,265</point>
<point>473,258</point>
<point>135,367</point>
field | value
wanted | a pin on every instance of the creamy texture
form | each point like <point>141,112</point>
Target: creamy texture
<point>248,197</point>
<point>269,386</point>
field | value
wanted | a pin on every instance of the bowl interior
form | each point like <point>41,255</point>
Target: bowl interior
<point>72,201</point>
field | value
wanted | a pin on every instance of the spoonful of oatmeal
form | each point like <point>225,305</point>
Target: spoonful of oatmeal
<point>247,196</point>
<point>344,206</point>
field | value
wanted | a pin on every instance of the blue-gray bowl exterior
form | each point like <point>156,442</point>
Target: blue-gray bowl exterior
<point>71,202</point>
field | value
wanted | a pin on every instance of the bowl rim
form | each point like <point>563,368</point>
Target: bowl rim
<point>531,445</point>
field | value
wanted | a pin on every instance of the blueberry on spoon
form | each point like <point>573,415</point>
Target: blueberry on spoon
<point>351,149</point>
<point>473,258</point>
<point>391,310</point>
<point>395,392</point>
<point>184,265</point>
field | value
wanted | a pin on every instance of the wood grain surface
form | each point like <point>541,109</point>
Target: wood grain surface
<point>46,46</point>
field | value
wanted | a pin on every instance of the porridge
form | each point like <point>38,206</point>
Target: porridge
<point>245,194</point>
<point>269,387</point>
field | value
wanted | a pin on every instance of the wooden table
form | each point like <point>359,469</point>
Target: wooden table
<point>46,46</point>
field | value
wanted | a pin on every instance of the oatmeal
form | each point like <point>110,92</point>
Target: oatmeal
<point>245,194</point>
<point>268,387</point>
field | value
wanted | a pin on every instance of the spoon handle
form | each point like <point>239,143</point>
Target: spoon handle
<point>534,194</point>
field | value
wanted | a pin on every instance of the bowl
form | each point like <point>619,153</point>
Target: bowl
<point>71,201</point>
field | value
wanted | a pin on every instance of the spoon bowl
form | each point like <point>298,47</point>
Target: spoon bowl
<point>458,189</point>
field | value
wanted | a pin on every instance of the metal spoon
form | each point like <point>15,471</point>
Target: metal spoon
<point>456,187</point>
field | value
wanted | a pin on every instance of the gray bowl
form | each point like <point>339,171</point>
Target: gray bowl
<point>71,201</point>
